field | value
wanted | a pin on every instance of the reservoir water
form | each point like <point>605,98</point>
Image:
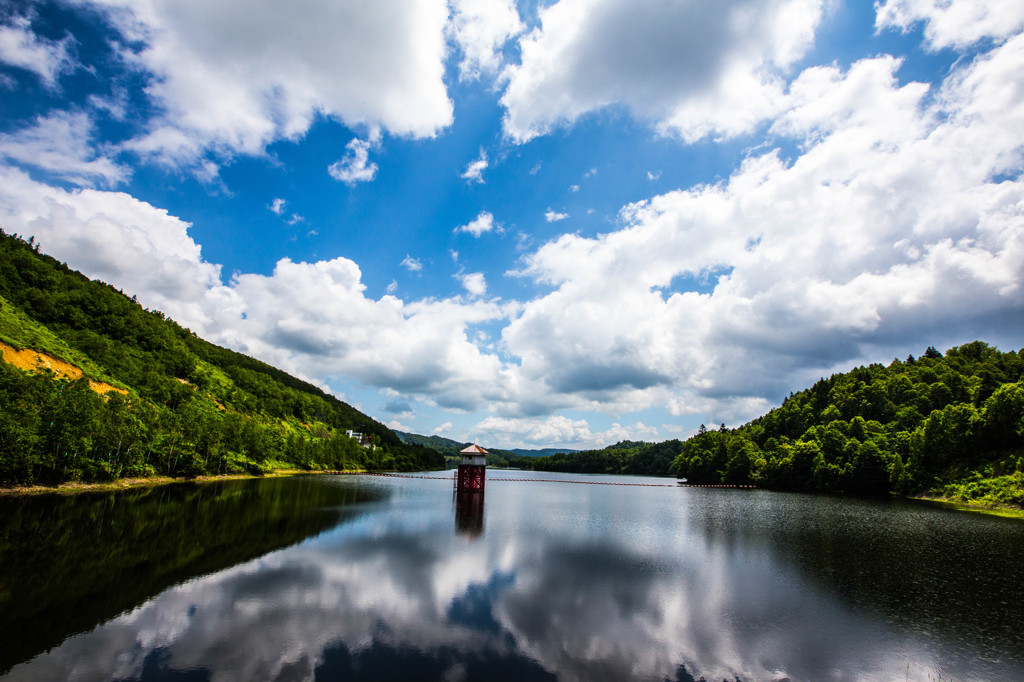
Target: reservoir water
<point>387,578</point>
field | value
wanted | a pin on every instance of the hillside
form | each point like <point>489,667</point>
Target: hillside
<point>948,425</point>
<point>625,457</point>
<point>951,424</point>
<point>498,457</point>
<point>94,387</point>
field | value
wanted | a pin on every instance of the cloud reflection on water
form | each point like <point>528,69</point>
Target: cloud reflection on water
<point>558,592</point>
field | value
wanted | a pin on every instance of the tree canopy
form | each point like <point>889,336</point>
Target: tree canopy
<point>180,406</point>
<point>949,423</point>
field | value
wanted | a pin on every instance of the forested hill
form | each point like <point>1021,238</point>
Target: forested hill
<point>94,387</point>
<point>949,423</point>
<point>495,456</point>
<point>625,457</point>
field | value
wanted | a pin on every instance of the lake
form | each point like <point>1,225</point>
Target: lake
<point>377,578</point>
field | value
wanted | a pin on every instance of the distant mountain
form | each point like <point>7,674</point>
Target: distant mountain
<point>94,387</point>
<point>450,447</point>
<point>543,452</point>
<point>442,445</point>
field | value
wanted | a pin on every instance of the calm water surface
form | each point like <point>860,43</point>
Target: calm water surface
<point>364,577</point>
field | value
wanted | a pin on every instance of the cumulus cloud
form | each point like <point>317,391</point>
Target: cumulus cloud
<point>59,143</point>
<point>558,431</point>
<point>474,283</point>
<point>21,47</point>
<point>277,206</point>
<point>398,405</point>
<point>479,225</point>
<point>554,216</point>
<point>355,166</point>
<point>899,218</point>
<point>953,23</point>
<point>475,170</point>
<point>227,78</point>
<point>311,319</point>
<point>694,69</point>
<point>315,317</point>
<point>480,28</point>
<point>114,237</point>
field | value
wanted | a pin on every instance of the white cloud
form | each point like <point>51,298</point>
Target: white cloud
<point>21,47</point>
<point>484,222</point>
<point>554,216</point>
<point>953,23</point>
<point>392,287</point>
<point>475,170</point>
<point>899,220</point>
<point>310,319</point>
<point>116,105</point>
<point>653,176</point>
<point>480,28</point>
<point>355,166</point>
<point>411,264</point>
<point>694,69</point>
<point>474,283</point>
<point>114,237</point>
<point>59,143</point>
<point>443,428</point>
<point>557,431</point>
<point>229,77</point>
<point>277,206</point>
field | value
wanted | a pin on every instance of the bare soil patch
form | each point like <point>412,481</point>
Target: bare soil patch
<point>37,361</point>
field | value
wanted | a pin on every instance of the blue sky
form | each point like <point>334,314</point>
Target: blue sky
<point>533,224</point>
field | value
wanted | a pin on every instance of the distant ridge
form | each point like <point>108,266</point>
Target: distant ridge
<point>450,447</point>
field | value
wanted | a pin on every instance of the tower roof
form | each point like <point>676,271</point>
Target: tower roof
<point>473,449</point>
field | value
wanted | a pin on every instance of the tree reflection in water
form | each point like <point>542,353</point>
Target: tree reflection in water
<point>576,583</point>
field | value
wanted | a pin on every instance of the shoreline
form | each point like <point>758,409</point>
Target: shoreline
<point>76,487</point>
<point>976,507</point>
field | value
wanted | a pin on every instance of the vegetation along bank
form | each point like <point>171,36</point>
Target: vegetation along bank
<point>94,388</point>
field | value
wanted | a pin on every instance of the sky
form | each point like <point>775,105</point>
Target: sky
<point>533,224</point>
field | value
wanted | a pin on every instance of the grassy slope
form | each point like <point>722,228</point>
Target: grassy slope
<point>170,376</point>
<point>22,332</point>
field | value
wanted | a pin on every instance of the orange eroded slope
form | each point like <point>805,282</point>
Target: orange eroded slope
<point>34,361</point>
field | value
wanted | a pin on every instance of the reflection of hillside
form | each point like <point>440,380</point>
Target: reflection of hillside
<point>406,603</point>
<point>932,572</point>
<point>111,552</point>
<point>639,585</point>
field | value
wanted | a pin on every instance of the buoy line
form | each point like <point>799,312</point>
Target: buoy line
<point>534,480</point>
